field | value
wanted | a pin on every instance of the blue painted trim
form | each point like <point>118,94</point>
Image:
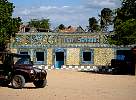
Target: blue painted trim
<point>54,55</point>
<point>45,56</point>
<point>81,56</point>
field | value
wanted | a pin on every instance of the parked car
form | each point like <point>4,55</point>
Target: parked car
<point>18,69</point>
<point>118,67</point>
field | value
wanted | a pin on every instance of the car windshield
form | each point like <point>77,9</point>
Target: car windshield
<point>23,59</point>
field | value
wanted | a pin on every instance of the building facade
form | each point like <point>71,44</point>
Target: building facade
<point>67,50</point>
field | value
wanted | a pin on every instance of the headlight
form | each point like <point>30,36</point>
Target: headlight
<point>43,71</point>
<point>37,70</point>
<point>32,71</point>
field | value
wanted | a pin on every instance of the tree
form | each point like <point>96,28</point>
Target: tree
<point>43,23</point>
<point>61,27</point>
<point>93,24</point>
<point>105,18</point>
<point>125,33</point>
<point>8,25</point>
<point>125,24</point>
<point>127,11</point>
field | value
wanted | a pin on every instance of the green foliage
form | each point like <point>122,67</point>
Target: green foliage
<point>8,25</point>
<point>93,24</point>
<point>125,33</point>
<point>106,18</point>
<point>128,10</point>
<point>61,27</point>
<point>43,23</point>
<point>125,24</point>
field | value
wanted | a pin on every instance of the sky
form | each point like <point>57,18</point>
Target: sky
<point>67,12</point>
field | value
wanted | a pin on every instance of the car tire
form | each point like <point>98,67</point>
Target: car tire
<point>18,82</point>
<point>40,83</point>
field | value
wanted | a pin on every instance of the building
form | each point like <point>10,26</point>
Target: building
<point>76,50</point>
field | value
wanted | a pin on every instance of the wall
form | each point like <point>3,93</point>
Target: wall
<point>103,56</point>
<point>49,56</point>
<point>73,56</point>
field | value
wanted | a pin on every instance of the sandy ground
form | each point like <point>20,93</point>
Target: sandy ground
<point>73,85</point>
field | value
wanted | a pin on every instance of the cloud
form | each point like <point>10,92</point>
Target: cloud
<point>25,12</point>
<point>66,14</point>
<point>102,4</point>
<point>43,9</point>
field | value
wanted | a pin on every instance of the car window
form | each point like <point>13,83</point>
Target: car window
<point>23,61</point>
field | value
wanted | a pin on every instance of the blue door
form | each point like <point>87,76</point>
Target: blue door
<point>59,59</point>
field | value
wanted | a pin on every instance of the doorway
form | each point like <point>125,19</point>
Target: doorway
<point>125,55</point>
<point>59,58</point>
<point>59,61</point>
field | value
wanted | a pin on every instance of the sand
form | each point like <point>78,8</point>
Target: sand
<point>74,85</point>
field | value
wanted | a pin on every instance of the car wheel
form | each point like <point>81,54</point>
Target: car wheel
<point>40,83</point>
<point>18,82</point>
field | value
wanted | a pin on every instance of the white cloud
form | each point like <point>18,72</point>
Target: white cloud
<point>25,12</point>
<point>65,6</point>
<point>44,9</point>
<point>68,15</point>
<point>102,3</point>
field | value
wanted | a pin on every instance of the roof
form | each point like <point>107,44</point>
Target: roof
<point>69,29</point>
<point>80,29</point>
